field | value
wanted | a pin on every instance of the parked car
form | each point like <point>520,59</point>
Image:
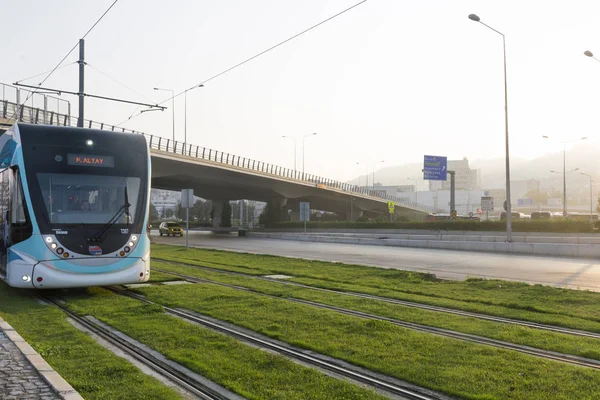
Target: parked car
<point>170,228</point>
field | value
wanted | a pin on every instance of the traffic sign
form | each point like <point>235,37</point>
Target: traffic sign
<point>187,198</point>
<point>435,168</point>
<point>487,204</point>
<point>525,202</point>
<point>505,205</point>
<point>454,215</point>
<point>391,206</point>
<point>304,211</point>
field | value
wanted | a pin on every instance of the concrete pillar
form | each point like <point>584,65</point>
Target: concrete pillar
<point>217,211</point>
<point>279,203</point>
<point>354,215</point>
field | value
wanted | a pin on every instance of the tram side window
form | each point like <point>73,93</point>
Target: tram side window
<point>4,194</point>
<point>20,225</point>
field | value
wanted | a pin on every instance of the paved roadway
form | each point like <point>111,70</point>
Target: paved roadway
<point>575,273</point>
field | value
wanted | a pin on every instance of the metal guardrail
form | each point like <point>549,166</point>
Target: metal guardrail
<point>36,116</point>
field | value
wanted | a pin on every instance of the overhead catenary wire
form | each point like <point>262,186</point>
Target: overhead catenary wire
<point>65,57</point>
<point>252,58</point>
<point>45,72</point>
<point>120,83</point>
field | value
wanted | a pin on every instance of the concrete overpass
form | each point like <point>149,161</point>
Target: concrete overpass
<point>221,176</point>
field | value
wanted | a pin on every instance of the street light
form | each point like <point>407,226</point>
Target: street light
<point>590,54</point>
<point>173,106</point>
<point>475,18</point>
<point>294,139</point>
<point>367,173</point>
<point>591,201</point>
<point>374,164</point>
<point>564,143</point>
<point>416,188</point>
<point>185,114</point>
<point>303,148</point>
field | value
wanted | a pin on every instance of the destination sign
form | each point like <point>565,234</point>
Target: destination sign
<point>90,160</point>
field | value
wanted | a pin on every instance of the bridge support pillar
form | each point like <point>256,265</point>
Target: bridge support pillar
<point>219,220</point>
<point>354,215</point>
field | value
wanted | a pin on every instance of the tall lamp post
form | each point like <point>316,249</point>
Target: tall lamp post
<point>366,174</point>
<point>173,106</point>
<point>294,139</point>
<point>373,180</point>
<point>564,173</point>
<point>564,143</point>
<point>304,148</point>
<point>475,18</point>
<point>185,113</point>
<point>590,54</point>
<point>591,199</point>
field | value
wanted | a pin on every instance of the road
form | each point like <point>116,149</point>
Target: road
<point>574,273</point>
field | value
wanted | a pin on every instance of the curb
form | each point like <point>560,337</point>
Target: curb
<point>539,249</point>
<point>56,382</point>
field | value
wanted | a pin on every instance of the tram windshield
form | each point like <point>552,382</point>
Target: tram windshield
<point>88,199</point>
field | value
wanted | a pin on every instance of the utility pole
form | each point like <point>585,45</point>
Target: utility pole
<point>452,191</point>
<point>81,63</point>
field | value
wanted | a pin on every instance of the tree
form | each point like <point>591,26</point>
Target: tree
<point>537,196</point>
<point>202,211</point>
<point>272,214</point>
<point>153,214</point>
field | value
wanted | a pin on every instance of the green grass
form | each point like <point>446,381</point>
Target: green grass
<point>452,366</point>
<point>250,372</point>
<point>563,343</point>
<point>156,276</point>
<point>562,307</point>
<point>92,370</point>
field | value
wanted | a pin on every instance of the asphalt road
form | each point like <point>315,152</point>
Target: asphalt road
<point>574,273</point>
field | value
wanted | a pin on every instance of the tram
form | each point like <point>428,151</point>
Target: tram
<point>73,207</point>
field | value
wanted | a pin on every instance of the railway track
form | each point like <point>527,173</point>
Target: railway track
<point>401,391</point>
<point>528,324</point>
<point>546,354</point>
<point>184,381</point>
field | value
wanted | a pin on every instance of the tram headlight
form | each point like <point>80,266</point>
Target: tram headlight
<point>127,249</point>
<point>130,244</point>
<point>25,278</point>
<point>48,239</point>
<point>53,245</point>
<point>134,238</point>
<point>60,250</point>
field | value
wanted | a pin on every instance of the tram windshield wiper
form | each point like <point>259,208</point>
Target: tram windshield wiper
<point>123,209</point>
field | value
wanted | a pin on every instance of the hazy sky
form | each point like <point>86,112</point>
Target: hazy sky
<point>389,80</point>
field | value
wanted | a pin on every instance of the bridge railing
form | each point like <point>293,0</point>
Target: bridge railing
<point>33,115</point>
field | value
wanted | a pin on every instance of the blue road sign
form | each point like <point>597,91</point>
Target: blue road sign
<point>435,168</point>
<point>525,202</point>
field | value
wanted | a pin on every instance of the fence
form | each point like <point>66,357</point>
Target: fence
<point>37,116</point>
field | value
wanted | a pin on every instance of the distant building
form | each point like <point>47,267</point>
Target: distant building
<point>164,200</point>
<point>394,190</point>
<point>465,177</point>
<point>519,189</point>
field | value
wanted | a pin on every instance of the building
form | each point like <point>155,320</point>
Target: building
<point>394,190</point>
<point>465,177</point>
<point>164,200</point>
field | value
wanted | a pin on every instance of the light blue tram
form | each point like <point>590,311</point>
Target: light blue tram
<point>73,207</point>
